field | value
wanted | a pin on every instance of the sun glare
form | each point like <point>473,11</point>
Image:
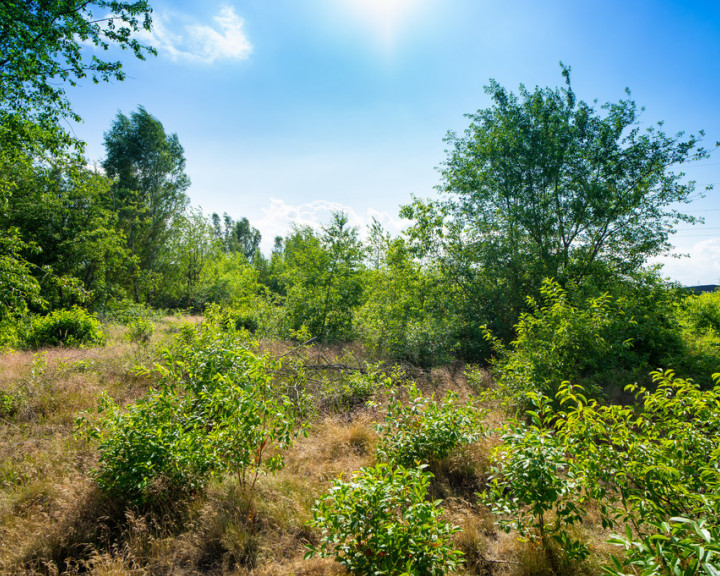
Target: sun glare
<point>385,18</point>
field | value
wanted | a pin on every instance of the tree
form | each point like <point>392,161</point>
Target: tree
<point>72,246</point>
<point>323,280</point>
<point>148,167</point>
<point>43,46</point>
<point>237,236</point>
<point>188,255</point>
<point>543,185</point>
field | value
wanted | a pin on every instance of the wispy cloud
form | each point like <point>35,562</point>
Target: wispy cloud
<point>279,217</point>
<point>179,39</point>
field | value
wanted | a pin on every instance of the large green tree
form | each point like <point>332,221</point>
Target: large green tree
<point>237,236</point>
<point>541,185</point>
<point>322,278</point>
<point>148,168</point>
<point>73,247</point>
<point>44,46</point>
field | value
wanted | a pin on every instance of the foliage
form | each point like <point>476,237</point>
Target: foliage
<point>425,430</point>
<point>186,262</point>
<point>543,185</point>
<point>702,312</point>
<point>556,342</point>
<point>153,451</point>
<point>678,546</point>
<point>216,410</point>
<point>75,251</point>
<point>127,311</point>
<point>236,236</point>
<point>381,523</point>
<point>73,327</point>
<point>652,466</point>
<point>350,391</point>
<point>140,330</point>
<point>18,286</point>
<point>323,280</point>
<point>43,47</point>
<point>698,318</point>
<point>530,484</point>
<point>148,192</point>
<point>405,314</point>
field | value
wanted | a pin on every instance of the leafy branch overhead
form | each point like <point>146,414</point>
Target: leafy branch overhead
<point>46,44</point>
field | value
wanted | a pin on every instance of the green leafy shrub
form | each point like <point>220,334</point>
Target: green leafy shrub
<point>216,411</point>
<point>73,327</point>
<point>381,523</point>
<point>699,320</point>
<point>350,391</point>
<point>10,336</point>
<point>127,311</point>
<point>702,312</point>
<point>152,451</point>
<point>532,489</point>
<point>653,466</point>
<point>140,330</point>
<point>678,546</point>
<point>425,429</point>
<point>557,342</point>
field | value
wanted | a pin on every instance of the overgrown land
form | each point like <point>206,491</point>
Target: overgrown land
<point>505,388</point>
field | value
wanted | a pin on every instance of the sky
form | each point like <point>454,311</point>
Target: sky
<point>291,109</point>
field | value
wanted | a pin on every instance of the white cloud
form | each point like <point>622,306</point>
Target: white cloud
<point>279,217</point>
<point>195,42</point>
<point>701,267</point>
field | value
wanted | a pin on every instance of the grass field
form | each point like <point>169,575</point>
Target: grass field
<point>54,519</point>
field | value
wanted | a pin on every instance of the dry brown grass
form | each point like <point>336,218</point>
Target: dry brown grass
<point>53,520</point>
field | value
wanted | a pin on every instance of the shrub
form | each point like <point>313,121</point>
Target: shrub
<point>350,391</point>
<point>652,465</point>
<point>531,483</point>
<point>73,327</point>
<point>556,342</point>
<point>152,451</point>
<point>699,320</point>
<point>140,330</point>
<point>425,429</point>
<point>127,311</point>
<point>381,523</point>
<point>216,411</point>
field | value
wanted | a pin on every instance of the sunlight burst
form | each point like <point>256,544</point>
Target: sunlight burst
<point>384,17</point>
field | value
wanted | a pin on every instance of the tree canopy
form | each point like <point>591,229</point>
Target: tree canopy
<point>148,192</point>
<point>542,184</point>
<point>44,45</point>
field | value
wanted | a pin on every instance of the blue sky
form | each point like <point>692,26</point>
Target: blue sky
<point>288,109</point>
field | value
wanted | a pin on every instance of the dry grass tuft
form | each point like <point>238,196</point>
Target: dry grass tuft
<point>334,448</point>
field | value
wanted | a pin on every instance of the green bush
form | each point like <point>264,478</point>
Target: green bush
<point>425,430</point>
<point>350,391</point>
<point>381,523</point>
<point>153,451</point>
<point>531,488</point>
<point>73,327</point>
<point>127,311</point>
<point>216,411</point>
<point>559,341</point>
<point>140,330</point>
<point>654,466</point>
<point>699,321</point>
